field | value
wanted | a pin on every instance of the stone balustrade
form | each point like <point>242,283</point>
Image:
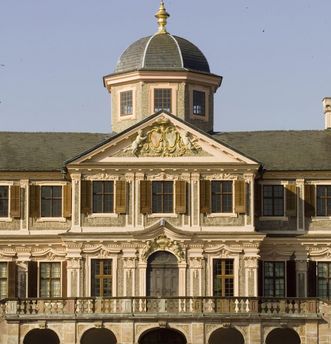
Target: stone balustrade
<point>149,306</point>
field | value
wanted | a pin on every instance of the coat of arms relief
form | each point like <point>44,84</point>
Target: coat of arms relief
<point>163,139</point>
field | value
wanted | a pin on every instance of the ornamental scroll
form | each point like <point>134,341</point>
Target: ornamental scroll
<point>163,139</point>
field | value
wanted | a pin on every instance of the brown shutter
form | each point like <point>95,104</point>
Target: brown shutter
<point>121,197</point>
<point>291,200</point>
<point>291,278</point>
<point>86,190</point>
<point>12,279</point>
<point>205,196</point>
<point>15,201</point>
<point>312,279</point>
<point>64,279</point>
<point>258,199</point>
<point>35,201</point>
<point>260,278</point>
<point>181,196</point>
<point>145,196</point>
<point>309,200</point>
<point>240,196</point>
<point>32,279</point>
<point>67,200</point>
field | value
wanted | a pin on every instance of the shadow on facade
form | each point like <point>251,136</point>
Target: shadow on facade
<point>225,336</point>
<point>283,336</point>
<point>162,336</point>
<point>98,336</point>
<point>37,336</point>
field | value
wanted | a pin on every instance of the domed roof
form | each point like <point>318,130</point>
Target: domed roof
<point>162,52</point>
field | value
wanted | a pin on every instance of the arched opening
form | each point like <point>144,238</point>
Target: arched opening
<point>226,336</point>
<point>283,336</point>
<point>37,336</point>
<point>99,336</point>
<point>162,336</point>
<point>162,275</point>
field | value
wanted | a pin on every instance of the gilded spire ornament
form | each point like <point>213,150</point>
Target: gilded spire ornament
<point>162,15</point>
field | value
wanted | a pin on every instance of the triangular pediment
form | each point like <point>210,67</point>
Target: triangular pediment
<point>162,137</point>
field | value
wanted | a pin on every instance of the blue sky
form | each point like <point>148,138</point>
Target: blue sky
<point>275,57</point>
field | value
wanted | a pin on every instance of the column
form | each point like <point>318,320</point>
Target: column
<point>251,277</point>
<point>300,204</point>
<point>129,271</point>
<point>24,184</point>
<point>196,262</point>
<point>75,206</point>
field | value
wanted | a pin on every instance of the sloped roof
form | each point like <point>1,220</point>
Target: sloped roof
<point>21,151</point>
<point>276,150</point>
<point>284,150</point>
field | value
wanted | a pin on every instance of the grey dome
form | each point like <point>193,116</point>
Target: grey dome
<point>162,52</point>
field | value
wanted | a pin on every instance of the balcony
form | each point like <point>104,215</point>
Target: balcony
<point>151,307</point>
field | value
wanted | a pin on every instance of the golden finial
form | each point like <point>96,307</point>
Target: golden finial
<point>162,15</point>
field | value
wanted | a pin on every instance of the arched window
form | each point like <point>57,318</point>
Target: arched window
<point>226,336</point>
<point>162,336</point>
<point>99,336</point>
<point>283,336</point>
<point>37,336</point>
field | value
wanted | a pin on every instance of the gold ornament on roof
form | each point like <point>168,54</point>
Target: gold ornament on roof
<point>162,15</point>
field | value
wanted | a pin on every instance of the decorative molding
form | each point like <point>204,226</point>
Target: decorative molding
<point>162,176</point>
<point>101,176</point>
<point>196,262</point>
<point>163,243</point>
<point>129,262</point>
<point>251,262</point>
<point>221,176</point>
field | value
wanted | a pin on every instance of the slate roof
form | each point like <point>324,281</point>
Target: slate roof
<point>300,150</point>
<point>162,52</point>
<point>20,151</point>
<point>308,150</point>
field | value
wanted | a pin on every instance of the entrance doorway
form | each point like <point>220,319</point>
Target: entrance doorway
<point>162,275</point>
<point>162,336</point>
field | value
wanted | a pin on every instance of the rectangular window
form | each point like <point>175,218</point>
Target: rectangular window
<point>126,103</point>
<point>221,197</point>
<point>51,201</point>
<point>103,197</point>
<point>50,279</point>
<point>162,197</point>
<point>223,277</point>
<point>273,200</point>
<point>199,103</point>
<point>4,197</point>
<point>324,280</point>
<point>274,279</point>
<point>101,277</point>
<point>3,280</point>
<point>162,99</point>
<point>323,200</point>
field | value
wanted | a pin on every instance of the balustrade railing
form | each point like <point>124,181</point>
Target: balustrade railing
<point>175,306</point>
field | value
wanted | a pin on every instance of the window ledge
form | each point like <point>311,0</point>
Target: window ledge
<point>162,215</point>
<point>51,219</point>
<point>6,219</point>
<point>222,215</point>
<point>273,218</point>
<point>102,215</point>
<point>321,218</point>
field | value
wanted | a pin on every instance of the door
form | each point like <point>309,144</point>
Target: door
<point>162,275</point>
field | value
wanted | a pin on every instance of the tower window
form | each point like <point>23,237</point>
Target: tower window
<point>199,103</point>
<point>126,103</point>
<point>162,99</point>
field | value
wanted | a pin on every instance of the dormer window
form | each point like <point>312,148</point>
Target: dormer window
<point>162,99</point>
<point>199,103</point>
<point>126,103</point>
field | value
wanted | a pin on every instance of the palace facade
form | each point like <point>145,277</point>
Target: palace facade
<point>165,231</point>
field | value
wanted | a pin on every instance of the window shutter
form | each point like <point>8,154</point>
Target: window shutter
<point>258,200</point>
<point>64,279</point>
<point>32,279</point>
<point>291,278</point>
<point>291,200</point>
<point>260,278</point>
<point>67,200</point>
<point>15,201</point>
<point>121,197</point>
<point>309,200</point>
<point>312,279</point>
<point>240,196</point>
<point>181,196</point>
<point>86,196</point>
<point>145,196</point>
<point>35,201</point>
<point>12,279</point>
<point>205,197</point>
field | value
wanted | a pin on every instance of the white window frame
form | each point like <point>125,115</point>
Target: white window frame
<point>121,117</point>
<point>205,90</point>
